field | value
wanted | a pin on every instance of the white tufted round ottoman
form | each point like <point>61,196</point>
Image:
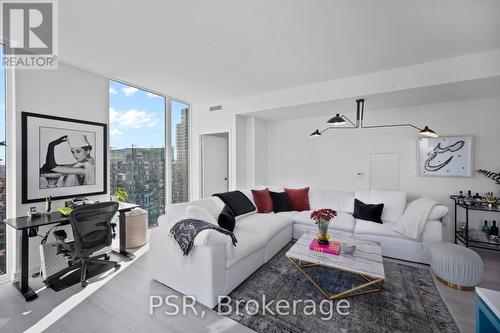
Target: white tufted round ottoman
<point>456,266</point>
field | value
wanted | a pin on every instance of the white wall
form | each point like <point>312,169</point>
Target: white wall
<point>261,140</point>
<point>209,122</point>
<point>241,151</point>
<point>67,92</point>
<point>333,160</point>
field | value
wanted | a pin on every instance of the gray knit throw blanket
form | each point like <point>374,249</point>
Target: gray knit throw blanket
<point>186,230</point>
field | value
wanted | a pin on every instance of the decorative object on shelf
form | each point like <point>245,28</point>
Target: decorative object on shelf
<point>493,238</point>
<point>445,156</point>
<point>65,211</point>
<point>322,218</point>
<point>494,229</point>
<point>48,204</point>
<point>462,229</point>
<point>121,194</point>
<point>62,157</point>
<point>495,176</point>
<point>340,121</point>
<point>490,199</point>
<point>486,228</point>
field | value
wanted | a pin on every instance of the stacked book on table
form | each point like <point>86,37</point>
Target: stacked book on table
<point>330,248</point>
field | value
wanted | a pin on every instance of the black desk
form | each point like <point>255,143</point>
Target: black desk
<point>25,223</point>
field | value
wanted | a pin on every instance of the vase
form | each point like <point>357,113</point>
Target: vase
<point>323,236</point>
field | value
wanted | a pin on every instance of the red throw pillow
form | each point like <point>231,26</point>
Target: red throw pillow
<point>299,198</point>
<point>263,200</point>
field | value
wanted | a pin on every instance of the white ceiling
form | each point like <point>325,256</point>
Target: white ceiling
<point>210,51</point>
<point>471,89</point>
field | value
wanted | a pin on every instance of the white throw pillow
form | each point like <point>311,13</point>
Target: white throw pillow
<point>199,213</point>
<point>438,212</point>
<point>394,203</point>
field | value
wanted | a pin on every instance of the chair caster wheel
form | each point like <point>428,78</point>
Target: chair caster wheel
<point>85,283</point>
<point>117,267</point>
<point>106,257</point>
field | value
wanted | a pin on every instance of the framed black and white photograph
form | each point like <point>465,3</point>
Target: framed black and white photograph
<point>62,157</point>
<point>445,156</point>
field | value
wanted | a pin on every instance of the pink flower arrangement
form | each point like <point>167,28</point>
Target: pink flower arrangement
<point>325,214</point>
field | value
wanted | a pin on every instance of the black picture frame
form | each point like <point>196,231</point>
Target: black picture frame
<point>75,191</point>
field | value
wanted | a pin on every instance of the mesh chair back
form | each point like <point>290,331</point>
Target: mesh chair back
<point>91,226</point>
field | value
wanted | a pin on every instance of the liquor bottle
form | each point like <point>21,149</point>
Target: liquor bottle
<point>494,229</point>
<point>461,195</point>
<point>486,228</point>
<point>469,194</point>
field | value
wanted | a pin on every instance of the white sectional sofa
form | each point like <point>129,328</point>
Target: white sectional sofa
<point>215,267</point>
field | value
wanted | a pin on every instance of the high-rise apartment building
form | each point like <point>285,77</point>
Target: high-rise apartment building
<point>180,160</point>
<point>141,171</point>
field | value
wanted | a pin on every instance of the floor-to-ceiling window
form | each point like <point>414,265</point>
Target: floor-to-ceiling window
<point>137,146</point>
<point>179,159</point>
<point>3,243</point>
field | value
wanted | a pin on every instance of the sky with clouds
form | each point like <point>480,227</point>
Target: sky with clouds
<point>137,117</point>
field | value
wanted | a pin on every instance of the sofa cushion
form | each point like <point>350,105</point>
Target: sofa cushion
<point>237,200</point>
<point>341,201</point>
<point>342,222</point>
<point>394,202</point>
<point>368,212</point>
<point>376,229</point>
<point>262,200</point>
<point>281,202</point>
<point>265,225</point>
<point>299,197</point>
<point>248,243</point>
<point>226,219</point>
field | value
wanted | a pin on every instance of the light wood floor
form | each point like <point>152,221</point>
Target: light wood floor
<point>127,297</point>
<point>462,303</point>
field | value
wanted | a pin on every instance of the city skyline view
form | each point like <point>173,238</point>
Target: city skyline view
<point>137,127</point>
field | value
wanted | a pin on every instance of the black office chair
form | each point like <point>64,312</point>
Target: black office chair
<point>92,231</point>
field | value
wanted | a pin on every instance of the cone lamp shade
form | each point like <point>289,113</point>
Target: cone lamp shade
<point>426,131</point>
<point>337,120</point>
<point>315,133</point>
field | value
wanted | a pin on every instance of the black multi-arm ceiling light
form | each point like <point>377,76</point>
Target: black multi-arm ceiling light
<point>340,121</point>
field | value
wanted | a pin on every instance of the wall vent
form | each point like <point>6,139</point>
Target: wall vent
<point>215,108</point>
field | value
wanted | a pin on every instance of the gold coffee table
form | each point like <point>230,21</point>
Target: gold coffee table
<point>366,262</point>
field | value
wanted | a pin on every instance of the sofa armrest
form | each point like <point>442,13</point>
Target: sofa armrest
<point>432,234</point>
<point>438,212</point>
<point>201,274</point>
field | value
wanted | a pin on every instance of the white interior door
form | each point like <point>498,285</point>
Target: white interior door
<point>215,159</point>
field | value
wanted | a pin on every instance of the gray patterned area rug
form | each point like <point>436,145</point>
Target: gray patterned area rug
<point>410,301</point>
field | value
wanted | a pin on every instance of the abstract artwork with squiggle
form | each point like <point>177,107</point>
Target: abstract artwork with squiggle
<point>445,156</point>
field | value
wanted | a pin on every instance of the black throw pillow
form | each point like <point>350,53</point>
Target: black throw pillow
<point>237,201</point>
<point>368,212</point>
<point>226,219</point>
<point>281,202</point>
